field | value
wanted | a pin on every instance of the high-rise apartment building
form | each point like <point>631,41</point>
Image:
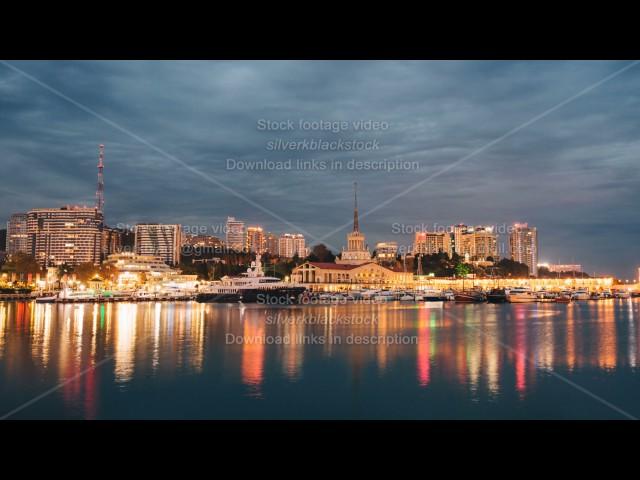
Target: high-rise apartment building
<point>457,232</point>
<point>479,244</point>
<point>523,241</point>
<point>290,245</point>
<point>17,235</point>
<point>428,243</point>
<point>70,234</point>
<point>271,243</point>
<point>111,241</point>
<point>160,240</point>
<point>235,234</point>
<point>255,240</point>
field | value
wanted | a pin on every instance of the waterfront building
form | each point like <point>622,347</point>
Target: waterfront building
<point>160,240</point>
<point>135,269</point>
<point>235,234</point>
<point>428,243</point>
<point>356,252</point>
<point>323,274</point>
<point>479,244</point>
<point>290,245</point>
<point>386,252</point>
<point>17,235</point>
<point>523,241</point>
<point>70,234</point>
<point>255,240</point>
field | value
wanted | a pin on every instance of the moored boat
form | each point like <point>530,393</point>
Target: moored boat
<point>497,295</point>
<point>562,298</point>
<point>521,295</point>
<point>581,294</point>
<point>471,296</point>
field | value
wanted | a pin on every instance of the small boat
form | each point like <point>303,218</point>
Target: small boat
<point>449,295</point>
<point>562,298</point>
<point>521,295</point>
<point>581,294</point>
<point>622,294</point>
<point>497,295</point>
<point>472,296</point>
<point>46,299</point>
<point>384,296</point>
<point>432,295</point>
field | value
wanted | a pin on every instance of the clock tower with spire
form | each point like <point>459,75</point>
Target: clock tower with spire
<point>356,252</point>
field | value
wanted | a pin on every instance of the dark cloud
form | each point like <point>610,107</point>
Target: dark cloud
<point>573,173</point>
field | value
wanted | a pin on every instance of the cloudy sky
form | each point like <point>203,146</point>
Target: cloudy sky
<point>185,143</point>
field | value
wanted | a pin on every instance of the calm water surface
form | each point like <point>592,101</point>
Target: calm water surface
<point>197,361</point>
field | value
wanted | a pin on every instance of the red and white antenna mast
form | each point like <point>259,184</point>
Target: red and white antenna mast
<point>100,191</point>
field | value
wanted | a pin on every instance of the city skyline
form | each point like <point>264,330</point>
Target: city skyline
<point>567,175</point>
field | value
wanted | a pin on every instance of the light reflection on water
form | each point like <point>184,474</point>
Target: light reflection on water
<point>176,361</point>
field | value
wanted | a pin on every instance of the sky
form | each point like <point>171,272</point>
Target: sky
<point>476,142</point>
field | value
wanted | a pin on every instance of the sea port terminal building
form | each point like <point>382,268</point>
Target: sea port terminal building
<point>336,276</point>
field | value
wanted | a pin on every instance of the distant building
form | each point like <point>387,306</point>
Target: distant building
<point>111,241</point>
<point>3,240</point>
<point>559,268</point>
<point>128,239</point>
<point>428,243</point>
<point>255,240</point>
<point>17,236</point>
<point>479,244</point>
<point>70,234</point>
<point>456,232</point>
<point>271,243</point>
<point>201,241</point>
<point>290,245</point>
<point>235,234</point>
<point>523,241</point>
<point>160,240</point>
<point>386,252</point>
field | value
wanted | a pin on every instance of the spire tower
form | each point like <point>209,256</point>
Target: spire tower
<point>356,252</point>
<point>356,225</point>
<point>100,191</point>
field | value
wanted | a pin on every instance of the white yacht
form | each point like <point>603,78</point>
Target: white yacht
<point>251,287</point>
<point>581,294</point>
<point>521,295</point>
<point>430,294</point>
